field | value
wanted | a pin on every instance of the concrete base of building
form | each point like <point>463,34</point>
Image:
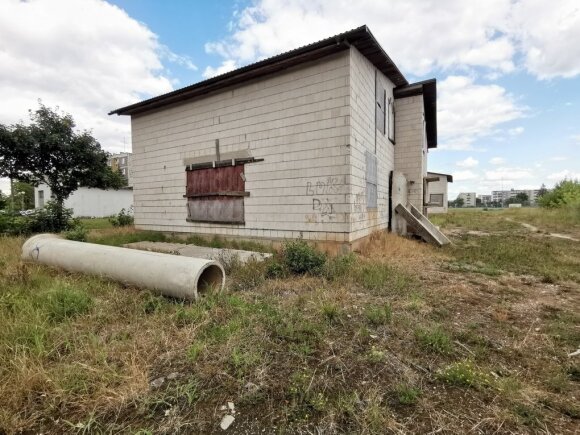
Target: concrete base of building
<point>329,246</point>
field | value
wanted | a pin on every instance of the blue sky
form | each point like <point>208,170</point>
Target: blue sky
<point>508,71</point>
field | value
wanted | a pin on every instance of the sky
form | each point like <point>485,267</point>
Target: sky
<point>508,71</point>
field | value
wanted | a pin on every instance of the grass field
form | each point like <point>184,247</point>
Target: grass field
<point>401,338</point>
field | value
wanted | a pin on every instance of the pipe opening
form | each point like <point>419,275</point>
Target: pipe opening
<point>212,277</point>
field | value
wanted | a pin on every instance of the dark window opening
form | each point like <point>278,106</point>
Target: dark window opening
<point>371,180</point>
<point>391,109</point>
<point>380,111</point>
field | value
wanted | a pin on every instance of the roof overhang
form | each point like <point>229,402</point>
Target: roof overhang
<point>428,89</point>
<point>448,176</point>
<point>361,38</point>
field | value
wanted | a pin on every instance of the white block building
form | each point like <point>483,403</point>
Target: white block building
<point>89,202</point>
<point>437,191</point>
<point>321,143</point>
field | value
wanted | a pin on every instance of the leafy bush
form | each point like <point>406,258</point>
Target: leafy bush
<point>50,219</point>
<point>565,193</point>
<point>301,258</point>
<point>13,224</point>
<point>123,219</point>
<point>78,233</point>
<point>276,270</point>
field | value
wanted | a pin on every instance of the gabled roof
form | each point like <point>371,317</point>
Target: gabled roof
<point>361,38</point>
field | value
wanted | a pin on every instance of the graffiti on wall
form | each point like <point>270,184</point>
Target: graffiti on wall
<point>322,206</point>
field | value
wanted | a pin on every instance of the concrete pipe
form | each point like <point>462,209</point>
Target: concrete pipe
<point>170,275</point>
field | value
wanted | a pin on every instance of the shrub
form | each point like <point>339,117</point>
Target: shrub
<point>565,193</point>
<point>78,233</point>
<point>123,219</point>
<point>276,270</point>
<point>50,219</point>
<point>13,224</point>
<point>301,258</point>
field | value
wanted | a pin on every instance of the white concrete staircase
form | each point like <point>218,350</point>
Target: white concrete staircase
<point>423,226</point>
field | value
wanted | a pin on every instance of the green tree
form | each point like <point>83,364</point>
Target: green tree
<point>542,191</point>
<point>50,151</point>
<point>14,154</point>
<point>459,202</point>
<point>522,198</point>
<point>565,193</point>
<point>23,194</point>
<point>3,201</point>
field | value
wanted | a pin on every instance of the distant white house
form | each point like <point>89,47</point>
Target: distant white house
<point>437,191</point>
<point>89,202</point>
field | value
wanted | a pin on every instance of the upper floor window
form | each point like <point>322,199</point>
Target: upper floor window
<point>380,109</point>
<point>391,109</point>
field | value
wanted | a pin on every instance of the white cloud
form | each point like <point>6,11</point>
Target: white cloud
<point>469,162</point>
<point>576,138</point>
<point>86,57</point>
<point>547,33</point>
<point>515,131</point>
<point>490,34</point>
<point>464,175</point>
<point>472,38</point>
<point>468,111</point>
<point>508,174</point>
<point>557,176</point>
<point>226,66</point>
<point>497,161</point>
<point>558,159</point>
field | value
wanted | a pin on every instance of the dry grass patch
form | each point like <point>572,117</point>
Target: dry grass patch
<point>386,341</point>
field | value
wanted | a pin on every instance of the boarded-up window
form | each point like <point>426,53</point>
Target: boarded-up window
<point>380,111</point>
<point>391,109</point>
<point>436,199</point>
<point>371,180</point>
<point>216,194</point>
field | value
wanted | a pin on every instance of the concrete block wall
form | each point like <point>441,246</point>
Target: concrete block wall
<point>437,187</point>
<point>88,202</point>
<point>411,148</point>
<point>364,136</point>
<point>297,120</point>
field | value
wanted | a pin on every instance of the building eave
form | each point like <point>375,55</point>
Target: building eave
<point>361,38</point>
<point>427,88</point>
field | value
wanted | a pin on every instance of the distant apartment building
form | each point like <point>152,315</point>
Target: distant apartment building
<point>468,198</point>
<point>485,200</point>
<point>121,163</point>
<point>505,195</point>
